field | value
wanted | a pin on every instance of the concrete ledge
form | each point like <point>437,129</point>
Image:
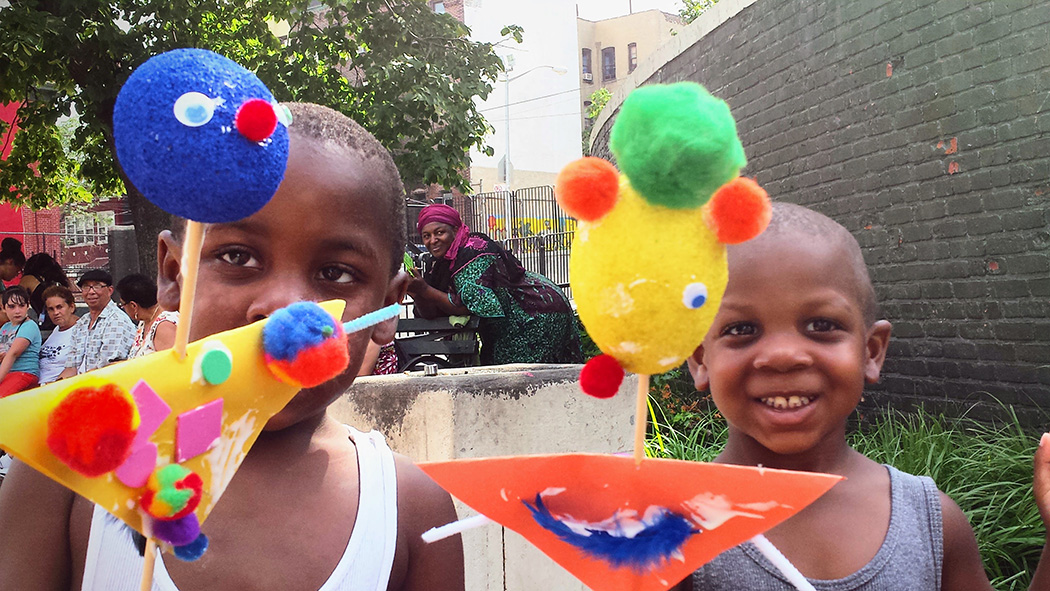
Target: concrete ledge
<point>494,411</point>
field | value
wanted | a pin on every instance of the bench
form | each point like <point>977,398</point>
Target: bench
<point>435,341</point>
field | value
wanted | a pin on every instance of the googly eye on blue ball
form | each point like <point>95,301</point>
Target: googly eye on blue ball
<point>182,142</point>
<point>694,295</point>
<point>194,109</point>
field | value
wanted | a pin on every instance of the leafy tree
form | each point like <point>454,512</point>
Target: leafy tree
<point>405,73</point>
<point>599,98</point>
<point>694,8</point>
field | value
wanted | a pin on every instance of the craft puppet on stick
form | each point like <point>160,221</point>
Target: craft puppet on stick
<point>155,440</point>
<point>647,270</point>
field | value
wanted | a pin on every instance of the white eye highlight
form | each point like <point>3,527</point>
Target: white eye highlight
<point>194,109</point>
<point>283,114</point>
<point>694,295</point>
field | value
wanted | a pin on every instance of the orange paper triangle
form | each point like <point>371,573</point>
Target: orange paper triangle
<point>727,504</point>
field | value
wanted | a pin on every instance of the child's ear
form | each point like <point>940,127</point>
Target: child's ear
<point>169,264</point>
<point>384,332</point>
<point>875,350</point>
<point>697,369</point>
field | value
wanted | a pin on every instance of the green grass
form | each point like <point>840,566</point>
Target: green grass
<point>986,469</point>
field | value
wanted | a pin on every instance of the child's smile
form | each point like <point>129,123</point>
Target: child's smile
<point>789,352</point>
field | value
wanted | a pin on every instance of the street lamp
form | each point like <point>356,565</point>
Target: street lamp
<point>507,79</point>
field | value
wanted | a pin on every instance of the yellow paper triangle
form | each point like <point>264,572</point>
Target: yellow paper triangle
<point>250,396</point>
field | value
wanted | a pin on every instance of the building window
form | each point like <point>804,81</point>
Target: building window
<point>632,57</point>
<point>609,63</point>
<point>437,7</point>
<point>585,64</point>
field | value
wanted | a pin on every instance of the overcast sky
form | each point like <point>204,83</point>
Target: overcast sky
<point>598,9</point>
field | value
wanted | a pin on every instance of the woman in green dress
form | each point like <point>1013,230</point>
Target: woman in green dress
<point>525,318</point>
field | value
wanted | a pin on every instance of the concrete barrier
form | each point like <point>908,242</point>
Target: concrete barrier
<point>494,411</point>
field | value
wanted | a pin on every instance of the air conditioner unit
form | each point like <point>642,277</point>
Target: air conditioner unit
<point>587,77</point>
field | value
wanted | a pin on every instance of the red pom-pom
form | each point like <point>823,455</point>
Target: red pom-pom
<point>315,365</point>
<point>601,376</point>
<point>256,120</point>
<point>587,188</point>
<point>738,211</point>
<point>91,430</point>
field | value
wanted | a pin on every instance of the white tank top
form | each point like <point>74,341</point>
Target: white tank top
<point>113,563</point>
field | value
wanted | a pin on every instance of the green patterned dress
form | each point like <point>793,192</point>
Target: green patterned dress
<point>525,318</point>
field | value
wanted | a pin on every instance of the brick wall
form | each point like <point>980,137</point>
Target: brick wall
<point>923,126</point>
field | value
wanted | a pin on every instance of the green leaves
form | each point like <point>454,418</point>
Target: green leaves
<point>408,75</point>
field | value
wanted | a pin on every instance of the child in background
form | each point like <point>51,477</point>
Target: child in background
<point>315,504</point>
<point>20,344</point>
<point>786,360</point>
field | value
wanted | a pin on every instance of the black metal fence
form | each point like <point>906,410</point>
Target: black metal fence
<point>528,222</point>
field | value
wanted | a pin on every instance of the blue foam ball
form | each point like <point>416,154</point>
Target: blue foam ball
<point>183,151</point>
<point>192,551</point>
<point>294,328</point>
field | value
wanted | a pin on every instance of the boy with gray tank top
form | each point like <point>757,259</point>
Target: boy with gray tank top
<point>786,360</point>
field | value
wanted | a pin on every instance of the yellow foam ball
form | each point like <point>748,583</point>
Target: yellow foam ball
<point>635,274</point>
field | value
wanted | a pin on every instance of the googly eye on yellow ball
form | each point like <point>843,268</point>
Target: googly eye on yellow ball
<point>648,262</point>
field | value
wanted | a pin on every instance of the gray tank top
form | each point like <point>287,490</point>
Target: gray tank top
<point>910,557</point>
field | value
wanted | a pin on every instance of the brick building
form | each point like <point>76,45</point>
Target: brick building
<point>924,128</point>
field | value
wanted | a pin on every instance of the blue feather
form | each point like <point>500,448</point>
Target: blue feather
<point>661,538</point>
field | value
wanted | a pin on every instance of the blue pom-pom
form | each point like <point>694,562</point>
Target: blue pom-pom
<point>296,327</point>
<point>193,550</point>
<point>175,136</point>
<point>661,538</point>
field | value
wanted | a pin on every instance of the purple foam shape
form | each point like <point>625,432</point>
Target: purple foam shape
<point>152,410</point>
<point>177,532</point>
<point>196,430</point>
<point>135,470</point>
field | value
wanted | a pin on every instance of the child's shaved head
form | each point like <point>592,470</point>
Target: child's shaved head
<point>327,125</point>
<point>791,219</point>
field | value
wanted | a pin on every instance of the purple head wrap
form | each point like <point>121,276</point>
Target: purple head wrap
<point>441,213</point>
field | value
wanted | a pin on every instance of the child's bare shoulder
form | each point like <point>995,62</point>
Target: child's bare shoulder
<point>421,505</point>
<point>963,568</point>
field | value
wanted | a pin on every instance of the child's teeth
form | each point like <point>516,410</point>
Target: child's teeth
<point>781,402</point>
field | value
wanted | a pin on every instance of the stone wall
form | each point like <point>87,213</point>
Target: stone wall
<point>923,126</point>
<point>479,412</point>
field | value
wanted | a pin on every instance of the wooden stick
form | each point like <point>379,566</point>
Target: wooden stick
<point>641,416</point>
<point>191,259</point>
<point>150,560</point>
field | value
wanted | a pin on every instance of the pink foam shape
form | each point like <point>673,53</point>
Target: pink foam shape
<point>135,470</point>
<point>196,430</point>
<point>152,410</point>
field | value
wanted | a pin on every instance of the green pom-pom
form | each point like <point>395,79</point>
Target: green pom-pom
<point>676,143</point>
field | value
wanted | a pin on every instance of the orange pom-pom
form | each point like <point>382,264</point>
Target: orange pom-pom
<point>587,188</point>
<point>738,211</point>
<point>601,376</point>
<point>92,428</point>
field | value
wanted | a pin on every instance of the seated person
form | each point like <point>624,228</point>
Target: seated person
<point>20,341</point>
<point>61,310</point>
<point>525,318</point>
<point>156,326</point>
<point>104,335</point>
<point>40,272</point>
